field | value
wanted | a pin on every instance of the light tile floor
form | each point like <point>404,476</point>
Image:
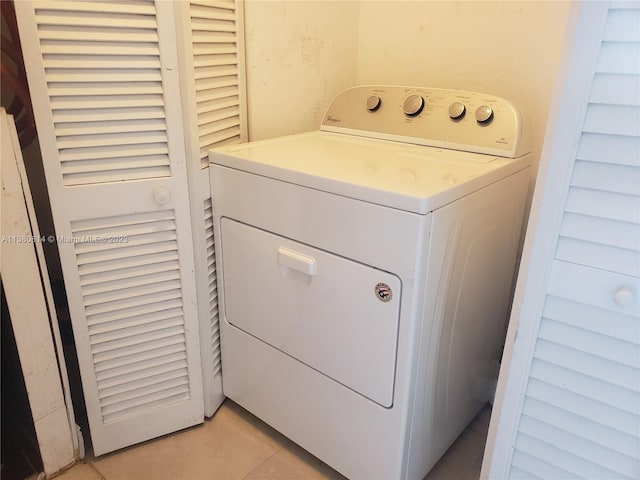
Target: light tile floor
<point>235,445</point>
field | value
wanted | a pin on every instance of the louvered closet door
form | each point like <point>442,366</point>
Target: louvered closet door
<point>581,409</point>
<point>214,105</point>
<point>104,83</point>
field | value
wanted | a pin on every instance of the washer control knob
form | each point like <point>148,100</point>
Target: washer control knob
<point>457,110</point>
<point>373,103</point>
<point>484,113</point>
<point>413,105</point>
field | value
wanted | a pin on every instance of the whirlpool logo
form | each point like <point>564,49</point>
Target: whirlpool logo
<point>383,292</point>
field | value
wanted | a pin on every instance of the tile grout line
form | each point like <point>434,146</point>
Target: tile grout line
<point>95,469</point>
<point>260,464</point>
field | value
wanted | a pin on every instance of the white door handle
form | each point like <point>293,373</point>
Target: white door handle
<point>297,261</point>
<point>623,296</point>
<point>162,196</point>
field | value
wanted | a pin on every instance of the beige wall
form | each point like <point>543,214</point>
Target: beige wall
<point>301,53</point>
<point>506,48</point>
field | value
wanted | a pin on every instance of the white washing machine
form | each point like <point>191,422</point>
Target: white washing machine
<point>365,273</point>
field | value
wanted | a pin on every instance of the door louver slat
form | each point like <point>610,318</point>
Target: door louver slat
<point>114,319</point>
<point>92,282</point>
<point>107,254</point>
<point>161,328</point>
<point>581,406</point>
<point>131,292</point>
<point>50,17</point>
<point>600,458</point>
<point>580,426</point>
<point>616,89</point>
<point>583,385</point>
<point>624,353</point>
<point>142,392</point>
<point>88,115</point>
<point>110,62</point>
<point>51,47</point>
<point>548,455</point>
<point>90,271</point>
<point>126,409</point>
<point>64,32</point>
<point>616,149</point>
<point>135,7</point>
<point>601,230</point>
<point>132,322</point>
<point>213,89</point>
<point>225,123</point>
<point>226,102</point>
<point>215,69</point>
<point>130,282</point>
<point>614,57</point>
<point>150,353</point>
<point>100,337</point>
<point>105,95</point>
<point>109,139</point>
<point>207,52</point>
<point>523,465</point>
<point>109,375</point>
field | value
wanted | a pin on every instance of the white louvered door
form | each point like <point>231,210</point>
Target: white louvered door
<point>581,409</point>
<point>213,101</point>
<point>570,403</point>
<point>104,82</point>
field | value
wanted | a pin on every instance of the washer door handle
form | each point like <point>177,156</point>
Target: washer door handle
<point>297,261</point>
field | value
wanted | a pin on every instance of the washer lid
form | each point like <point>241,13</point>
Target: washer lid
<point>408,177</point>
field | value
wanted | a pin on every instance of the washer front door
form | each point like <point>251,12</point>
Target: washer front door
<point>335,315</point>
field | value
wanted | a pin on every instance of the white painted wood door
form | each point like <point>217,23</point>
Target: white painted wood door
<point>568,397</point>
<point>104,82</point>
<point>211,66</point>
<point>30,305</point>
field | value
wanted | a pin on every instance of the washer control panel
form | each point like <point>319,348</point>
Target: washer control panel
<point>454,119</point>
